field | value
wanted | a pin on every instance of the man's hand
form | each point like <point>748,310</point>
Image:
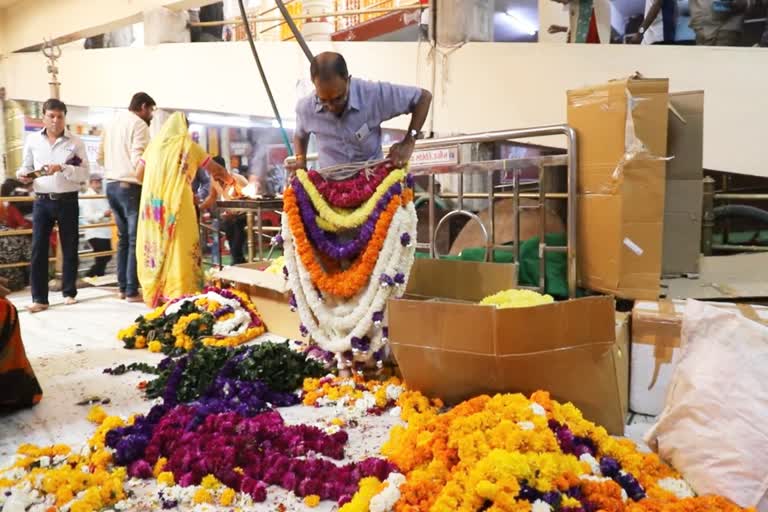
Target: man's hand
<point>25,180</point>
<point>557,29</point>
<point>108,213</point>
<point>299,163</point>
<point>401,152</point>
<point>635,39</point>
<point>54,168</point>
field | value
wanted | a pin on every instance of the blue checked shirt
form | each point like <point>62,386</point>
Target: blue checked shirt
<point>356,135</point>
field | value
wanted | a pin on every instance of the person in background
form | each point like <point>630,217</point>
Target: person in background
<point>16,248</point>
<point>62,157</point>
<point>346,113</point>
<point>122,145</point>
<point>96,211</point>
<point>233,225</point>
<point>171,262</point>
<point>659,23</point>
<point>589,22</point>
<point>716,23</point>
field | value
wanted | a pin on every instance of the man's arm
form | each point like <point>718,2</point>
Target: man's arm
<point>77,168</point>
<point>398,100</point>
<point>27,164</point>
<point>300,140</point>
<point>139,142</point>
<point>653,12</point>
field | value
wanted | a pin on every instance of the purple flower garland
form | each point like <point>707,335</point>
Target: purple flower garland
<point>328,245</point>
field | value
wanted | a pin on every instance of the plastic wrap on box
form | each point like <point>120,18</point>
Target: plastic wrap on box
<point>656,328</point>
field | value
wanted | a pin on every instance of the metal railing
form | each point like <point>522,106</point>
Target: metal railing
<point>711,196</point>
<point>30,231</point>
<point>466,161</point>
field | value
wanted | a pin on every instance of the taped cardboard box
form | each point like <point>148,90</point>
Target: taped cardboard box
<point>269,292</point>
<point>684,187</point>
<point>656,328</point>
<point>621,129</point>
<point>448,346</point>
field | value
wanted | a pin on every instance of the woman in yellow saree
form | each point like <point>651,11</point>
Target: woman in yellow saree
<point>168,241</point>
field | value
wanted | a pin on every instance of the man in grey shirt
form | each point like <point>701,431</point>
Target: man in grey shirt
<point>57,162</point>
<point>346,113</point>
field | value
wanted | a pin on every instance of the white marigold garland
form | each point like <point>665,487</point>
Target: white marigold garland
<point>333,323</point>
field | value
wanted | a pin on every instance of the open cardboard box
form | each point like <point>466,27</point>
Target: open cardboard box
<point>448,346</point>
<point>269,293</point>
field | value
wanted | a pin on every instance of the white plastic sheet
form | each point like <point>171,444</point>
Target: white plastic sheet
<point>713,428</point>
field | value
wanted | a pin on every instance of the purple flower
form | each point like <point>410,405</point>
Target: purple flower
<point>405,239</point>
<point>399,278</point>
<point>303,330</point>
<point>292,302</point>
<point>361,344</point>
<point>410,181</point>
<point>386,280</point>
<point>378,317</point>
<point>285,271</point>
<point>609,467</point>
<point>385,332</point>
<point>630,484</point>
<point>276,240</point>
<point>140,469</point>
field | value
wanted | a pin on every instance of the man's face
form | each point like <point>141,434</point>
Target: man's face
<point>96,185</point>
<point>146,113</point>
<point>54,122</point>
<point>333,94</point>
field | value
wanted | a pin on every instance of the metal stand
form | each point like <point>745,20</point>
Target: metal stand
<point>460,155</point>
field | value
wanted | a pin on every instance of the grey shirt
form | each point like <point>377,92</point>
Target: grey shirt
<point>67,151</point>
<point>356,135</point>
<point>706,23</point>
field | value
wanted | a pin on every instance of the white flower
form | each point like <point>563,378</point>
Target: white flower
<point>676,486</point>
<point>394,392</point>
<point>45,461</point>
<point>593,463</point>
<point>395,411</point>
<point>386,499</point>
<point>624,496</point>
<point>592,478</point>
<point>541,506</point>
<point>538,409</point>
<point>526,425</point>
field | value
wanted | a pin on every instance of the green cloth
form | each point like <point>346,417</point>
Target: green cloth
<point>528,270</point>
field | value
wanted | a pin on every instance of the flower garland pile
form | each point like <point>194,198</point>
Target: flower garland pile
<point>515,298</point>
<point>349,247</point>
<point>509,453</point>
<point>217,317</point>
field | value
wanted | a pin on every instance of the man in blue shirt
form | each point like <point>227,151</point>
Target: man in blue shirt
<point>346,113</point>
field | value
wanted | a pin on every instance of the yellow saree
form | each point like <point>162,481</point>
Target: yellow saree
<point>168,241</point>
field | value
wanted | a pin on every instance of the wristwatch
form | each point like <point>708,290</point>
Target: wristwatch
<point>641,30</point>
<point>414,134</point>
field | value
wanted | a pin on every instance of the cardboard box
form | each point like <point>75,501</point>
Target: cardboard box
<point>448,346</point>
<point>684,187</point>
<point>269,292</point>
<point>622,141</point>
<point>621,356</point>
<point>656,328</point>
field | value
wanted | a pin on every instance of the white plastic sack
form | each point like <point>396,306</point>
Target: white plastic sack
<point>162,25</point>
<point>714,427</point>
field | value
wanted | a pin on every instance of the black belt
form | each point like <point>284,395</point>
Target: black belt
<point>64,196</point>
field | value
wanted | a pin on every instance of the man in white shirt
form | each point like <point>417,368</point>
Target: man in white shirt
<point>659,23</point>
<point>56,161</point>
<point>122,146</point>
<point>97,211</point>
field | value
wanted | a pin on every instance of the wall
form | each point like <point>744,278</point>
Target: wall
<point>481,86</point>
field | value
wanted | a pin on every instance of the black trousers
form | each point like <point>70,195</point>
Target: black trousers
<point>235,231</point>
<point>99,266</point>
<point>47,213</point>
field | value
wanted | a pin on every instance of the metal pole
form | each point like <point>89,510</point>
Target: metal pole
<point>335,14</point>
<point>516,208</point>
<point>249,222</point>
<point>259,241</point>
<point>573,199</point>
<point>542,230</point>
<point>432,215</point>
<point>492,215</point>
<point>708,217</point>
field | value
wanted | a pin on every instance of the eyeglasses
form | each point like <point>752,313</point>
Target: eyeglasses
<point>337,101</point>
